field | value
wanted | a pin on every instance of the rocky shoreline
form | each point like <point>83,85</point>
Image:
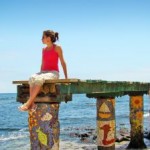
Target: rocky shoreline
<point>88,135</point>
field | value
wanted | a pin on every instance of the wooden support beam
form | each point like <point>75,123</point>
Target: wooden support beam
<point>48,93</point>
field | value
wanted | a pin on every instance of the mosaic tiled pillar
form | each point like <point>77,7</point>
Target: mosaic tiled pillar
<point>136,121</point>
<point>106,124</point>
<point>44,127</point>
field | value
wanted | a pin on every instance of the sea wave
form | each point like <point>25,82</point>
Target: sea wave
<point>23,133</point>
<point>9,129</point>
<point>147,115</point>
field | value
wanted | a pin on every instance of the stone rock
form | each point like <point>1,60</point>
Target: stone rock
<point>147,135</point>
<point>119,138</point>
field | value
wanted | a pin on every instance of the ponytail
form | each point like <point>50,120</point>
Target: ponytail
<point>56,36</point>
<point>53,35</point>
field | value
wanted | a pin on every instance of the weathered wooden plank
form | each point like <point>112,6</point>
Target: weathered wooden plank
<point>46,94</point>
<point>46,99</point>
<point>50,81</point>
<point>104,87</point>
<point>101,88</point>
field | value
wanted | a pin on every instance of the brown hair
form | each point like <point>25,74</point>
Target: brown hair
<point>53,35</point>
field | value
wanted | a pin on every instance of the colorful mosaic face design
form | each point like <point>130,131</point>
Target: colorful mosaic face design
<point>105,133</point>
<point>44,127</point>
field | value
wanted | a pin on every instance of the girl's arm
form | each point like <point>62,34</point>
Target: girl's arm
<point>42,60</point>
<point>63,63</point>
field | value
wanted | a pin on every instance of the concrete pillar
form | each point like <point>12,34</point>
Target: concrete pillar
<point>44,127</point>
<point>106,123</point>
<point>136,121</point>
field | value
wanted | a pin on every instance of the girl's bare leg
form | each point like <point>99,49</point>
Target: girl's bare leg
<point>31,89</point>
<point>33,93</point>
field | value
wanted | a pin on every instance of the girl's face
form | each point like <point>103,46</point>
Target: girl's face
<point>46,39</point>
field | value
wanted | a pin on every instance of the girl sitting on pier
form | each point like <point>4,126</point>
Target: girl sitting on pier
<point>49,68</point>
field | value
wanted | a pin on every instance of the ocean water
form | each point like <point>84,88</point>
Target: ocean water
<point>75,117</point>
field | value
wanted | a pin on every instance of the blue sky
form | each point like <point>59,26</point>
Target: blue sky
<point>101,39</point>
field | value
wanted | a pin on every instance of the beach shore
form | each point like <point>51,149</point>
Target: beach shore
<point>67,145</point>
<point>72,143</point>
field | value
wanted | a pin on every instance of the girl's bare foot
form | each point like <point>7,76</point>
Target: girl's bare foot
<point>24,107</point>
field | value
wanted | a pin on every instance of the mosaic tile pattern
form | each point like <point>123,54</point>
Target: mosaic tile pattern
<point>136,121</point>
<point>44,127</point>
<point>106,122</point>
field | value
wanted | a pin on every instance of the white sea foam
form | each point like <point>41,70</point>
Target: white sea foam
<point>147,115</point>
<point>13,136</point>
